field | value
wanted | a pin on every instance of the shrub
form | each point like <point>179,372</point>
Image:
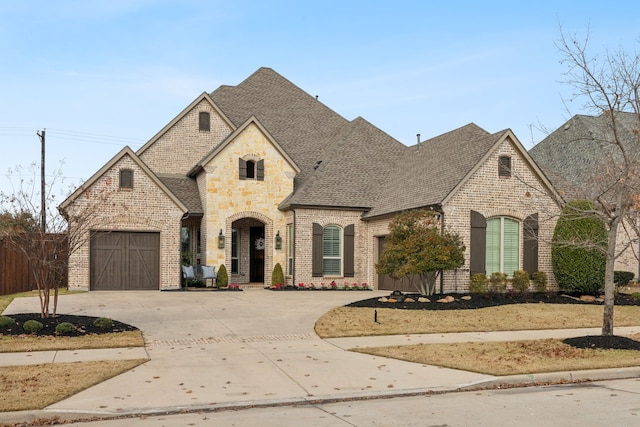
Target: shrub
<point>6,321</point>
<point>622,278</point>
<point>520,281</point>
<point>478,283</point>
<point>539,281</point>
<point>277,277</point>
<point>32,326</point>
<point>635,296</point>
<point>498,282</point>
<point>103,323</point>
<point>65,328</point>
<point>577,252</point>
<point>223,278</point>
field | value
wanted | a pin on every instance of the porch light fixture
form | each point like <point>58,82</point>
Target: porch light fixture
<point>278,240</point>
<point>221,240</point>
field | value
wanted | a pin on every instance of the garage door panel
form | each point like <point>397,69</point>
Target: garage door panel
<point>125,261</point>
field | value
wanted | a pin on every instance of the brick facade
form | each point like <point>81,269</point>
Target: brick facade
<point>115,209</point>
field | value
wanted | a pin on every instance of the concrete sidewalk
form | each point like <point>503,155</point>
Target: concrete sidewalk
<point>234,350</point>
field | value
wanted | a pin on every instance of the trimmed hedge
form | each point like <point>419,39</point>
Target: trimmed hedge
<point>277,278</point>
<point>577,253</point>
<point>622,278</point>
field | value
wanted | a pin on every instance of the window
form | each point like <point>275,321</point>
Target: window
<point>251,169</point>
<point>204,121</point>
<point>290,249</point>
<point>504,167</point>
<point>332,251</point>
<point>126,178</point>
<point>503,245</point>
<point>235,260</point>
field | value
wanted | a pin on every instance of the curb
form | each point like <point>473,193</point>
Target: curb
<point>27,418</point>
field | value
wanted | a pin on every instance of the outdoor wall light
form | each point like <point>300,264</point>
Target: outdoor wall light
<point>278,240</point>
<point>221,240</point>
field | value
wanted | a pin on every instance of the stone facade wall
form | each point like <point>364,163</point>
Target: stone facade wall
<point>229,198</point>
<point>144,208</point>
<point>517,197</point>
<point>304,219</point>
<point>183,145</point>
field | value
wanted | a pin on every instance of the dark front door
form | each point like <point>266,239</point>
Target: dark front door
<point>125,261</point>
<point>256,254</point>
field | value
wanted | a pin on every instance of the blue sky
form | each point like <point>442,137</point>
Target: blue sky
<point>101,74</point>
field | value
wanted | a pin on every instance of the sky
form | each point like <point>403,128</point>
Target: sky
<point>102,74</point>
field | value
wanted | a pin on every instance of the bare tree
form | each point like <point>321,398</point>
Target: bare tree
<point>609,87</point>
<point>46,250</point>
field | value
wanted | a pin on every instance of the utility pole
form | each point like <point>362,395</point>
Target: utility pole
<point>43,198</point>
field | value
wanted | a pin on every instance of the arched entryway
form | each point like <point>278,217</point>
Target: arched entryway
<point>249,250</point>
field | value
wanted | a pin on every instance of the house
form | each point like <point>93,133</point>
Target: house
<point>263,173</point>
<point>581,162</point>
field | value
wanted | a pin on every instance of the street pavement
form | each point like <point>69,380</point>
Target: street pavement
<point>221,350</point>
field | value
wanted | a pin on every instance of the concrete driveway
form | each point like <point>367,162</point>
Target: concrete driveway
<point>219,349</point>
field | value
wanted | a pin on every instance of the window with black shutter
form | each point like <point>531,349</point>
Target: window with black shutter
<point>530,244</point>
<point>478,243</point>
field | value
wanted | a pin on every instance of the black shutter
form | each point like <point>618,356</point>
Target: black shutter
<point>349,251</point>
<point>530,244</point>
<point>316,251</point>
<point>242,168</point>
<point>261,170</point>
<point>478,243</point>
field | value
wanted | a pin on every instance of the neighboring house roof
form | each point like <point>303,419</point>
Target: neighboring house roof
<point>575,154</point>
<point>185,189</point>
<point>126,151</point>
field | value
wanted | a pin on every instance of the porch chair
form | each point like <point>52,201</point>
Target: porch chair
<point>209,273</point>
<point>187,274</point>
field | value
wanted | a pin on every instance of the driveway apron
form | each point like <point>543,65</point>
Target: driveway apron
<point>216,349</point>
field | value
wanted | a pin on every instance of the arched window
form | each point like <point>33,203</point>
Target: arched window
<point>503,245</point>
<point>332,251</point>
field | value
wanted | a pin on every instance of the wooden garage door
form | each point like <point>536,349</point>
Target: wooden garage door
<point>125,261</point>
<point>386,282</point>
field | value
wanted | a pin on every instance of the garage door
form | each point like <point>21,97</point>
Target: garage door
<point>386,282</point>
<point>125,261</point>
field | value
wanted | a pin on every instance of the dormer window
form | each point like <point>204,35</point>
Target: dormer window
<point>126,179</point>
<point>251,169</point>
<point>504,167</point>
<point>204,121</point>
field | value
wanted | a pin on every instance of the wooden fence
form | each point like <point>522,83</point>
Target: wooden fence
<point>15,272</point>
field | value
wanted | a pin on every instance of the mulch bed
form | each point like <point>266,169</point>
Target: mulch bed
<point>496,299</point>
<point>84,325</point>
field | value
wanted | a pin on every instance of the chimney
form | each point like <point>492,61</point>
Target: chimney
<point>419,145</point>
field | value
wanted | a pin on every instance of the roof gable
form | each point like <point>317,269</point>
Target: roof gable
<point>229,140</point>
<point>125,152</point>
<point>302,125</point>
<point>203,97</point>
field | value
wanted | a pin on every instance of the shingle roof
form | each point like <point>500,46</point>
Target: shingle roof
<point>302,125</point>
<point>426,175</point>
<point>186,190</point>
<point>578,151</point>
<point>358,162</point>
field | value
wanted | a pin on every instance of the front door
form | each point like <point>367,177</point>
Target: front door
<point>256,254</point>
